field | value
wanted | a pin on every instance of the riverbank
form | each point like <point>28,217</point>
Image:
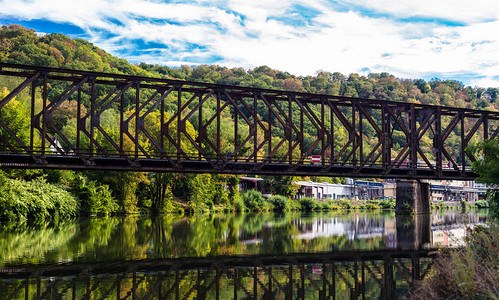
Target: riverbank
<point>470,272</point>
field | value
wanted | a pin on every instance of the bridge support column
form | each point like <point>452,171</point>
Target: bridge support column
<point>413,196</point>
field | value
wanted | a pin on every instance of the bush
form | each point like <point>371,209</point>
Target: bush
<point>35,199</point>
<point>308,204</point>
<point>372,205</point>
<point>95,199</point>
<point>253,200</point>
<point>387,204</point>
<point>343,203</point>
<point>281,203</point>
<point>239,204</point>
<point>294,204</point>
<point>482,204</point>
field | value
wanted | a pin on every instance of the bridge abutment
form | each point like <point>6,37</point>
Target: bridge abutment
<point>413,196</point>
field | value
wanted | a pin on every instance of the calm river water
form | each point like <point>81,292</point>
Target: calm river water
<point>329,255</point>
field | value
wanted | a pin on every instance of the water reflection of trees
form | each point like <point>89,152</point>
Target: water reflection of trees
<point>169,236</point>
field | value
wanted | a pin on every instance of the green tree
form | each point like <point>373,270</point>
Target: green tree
<point>488,169</point>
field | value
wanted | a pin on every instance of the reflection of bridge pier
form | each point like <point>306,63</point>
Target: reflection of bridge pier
<point>413,231</point>
<point>326,275</point>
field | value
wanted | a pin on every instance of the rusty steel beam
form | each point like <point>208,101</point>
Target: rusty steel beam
<point>154,119</point>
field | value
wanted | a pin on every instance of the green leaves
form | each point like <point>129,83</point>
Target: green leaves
<point>35,199</point>
<point>488,169</point>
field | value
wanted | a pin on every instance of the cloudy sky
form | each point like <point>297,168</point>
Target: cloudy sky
<point>448,39</point>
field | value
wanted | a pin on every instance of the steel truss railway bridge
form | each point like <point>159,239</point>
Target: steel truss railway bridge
<point>272,132</point>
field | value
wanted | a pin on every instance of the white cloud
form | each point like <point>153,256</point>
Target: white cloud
<point>453,10</point>
<point>251,33</point>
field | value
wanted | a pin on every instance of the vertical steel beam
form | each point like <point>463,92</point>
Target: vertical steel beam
<point>32,117</point>
<point>162,126</point>
<point>438,139</point>
<point>385,142</point>
<point>78,117</point>
<point>302,146</point>
<point>179,119</point>
<point>289,132</point>
<point>44,112</point>
<point>414,140</point>
<point>485,126</point>
<point>200,124</point>
<point>269,124</point>
<point>463,143</point>
<point>322,134</point>
<point>236,129</point>
<point>219,151</point>
<point>361,139</point>
<point>122,104</point>
<point>255,128</point>
<point>92,117</point>
<point>355,144</point>
<point>332,134</point>
<point>137,114</point>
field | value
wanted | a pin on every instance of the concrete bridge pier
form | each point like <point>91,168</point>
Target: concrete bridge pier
<point>413,196</point>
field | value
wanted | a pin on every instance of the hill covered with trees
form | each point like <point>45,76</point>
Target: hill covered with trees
<point>157,192</point>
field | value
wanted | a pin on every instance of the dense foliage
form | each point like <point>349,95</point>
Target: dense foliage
<point>253,200</point>
<point>134,192</point>
<point>488,169</point>
<point>34,199</point>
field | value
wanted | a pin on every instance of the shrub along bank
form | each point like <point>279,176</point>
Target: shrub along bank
<point>20,199</point>
<point>253,201</point>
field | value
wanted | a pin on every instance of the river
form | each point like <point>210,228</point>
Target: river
<point>356,254</point>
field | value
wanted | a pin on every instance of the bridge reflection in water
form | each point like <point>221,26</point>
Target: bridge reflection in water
<point>381,274</point>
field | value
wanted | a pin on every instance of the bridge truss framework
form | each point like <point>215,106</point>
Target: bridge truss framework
<point>155,118</point>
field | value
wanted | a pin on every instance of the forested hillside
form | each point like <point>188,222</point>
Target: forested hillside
<point>24,46</point>
<point>156,192</point>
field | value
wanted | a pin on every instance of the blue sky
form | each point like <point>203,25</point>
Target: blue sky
<point>448,39</point>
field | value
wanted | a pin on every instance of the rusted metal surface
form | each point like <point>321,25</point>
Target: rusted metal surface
<point>153,121</point>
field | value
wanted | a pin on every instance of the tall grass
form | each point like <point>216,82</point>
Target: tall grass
<point>471,272</point>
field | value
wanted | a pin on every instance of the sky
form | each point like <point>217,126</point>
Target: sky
<point>446,39</point>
